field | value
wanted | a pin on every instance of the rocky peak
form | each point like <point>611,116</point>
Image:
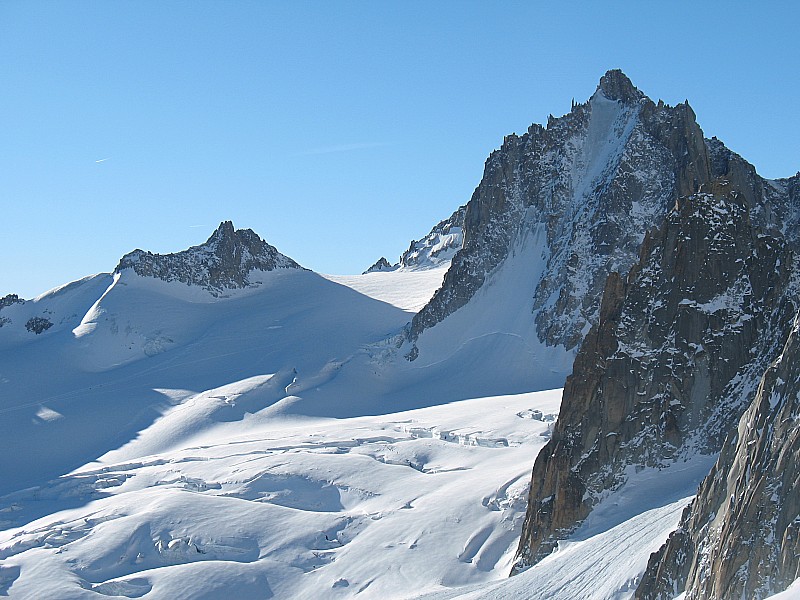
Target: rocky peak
<point>439,246</point>
<point>594,181</point>
<point>224,234</point>
<point>10,300</point>
<point>224,261</point>
<point>380,265</point>
<point>615,85</point>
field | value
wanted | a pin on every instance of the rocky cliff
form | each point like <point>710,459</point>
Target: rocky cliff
<point>225,261</point>
<point>595,180</point>
<point>676,352</point>
<point>740,538</point>
<point>671,363</point>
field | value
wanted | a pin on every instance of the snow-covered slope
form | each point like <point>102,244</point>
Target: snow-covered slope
<point>212,501</point>
<point>55,310</point>
<point>408,289</point>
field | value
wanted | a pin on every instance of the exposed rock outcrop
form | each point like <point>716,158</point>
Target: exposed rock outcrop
<point>224,261</point>
<point>672,362</point>
<point>38,325</point>
<point>740,538</point>
<point>380,265</point>
<point>10,300</point>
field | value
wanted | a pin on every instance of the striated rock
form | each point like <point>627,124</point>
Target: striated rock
<point>676,353</point>
<point>595,180</point>
<point>224,261</point>
<point>740,538</point>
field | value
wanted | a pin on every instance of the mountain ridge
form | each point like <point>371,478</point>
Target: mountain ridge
<point>223,262</point>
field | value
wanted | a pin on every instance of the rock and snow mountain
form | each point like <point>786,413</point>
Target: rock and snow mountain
<point>577,197</point>
<point>674,358</point>
<point>226,261</point>
<point>434,250</point>
<point>229,423</point>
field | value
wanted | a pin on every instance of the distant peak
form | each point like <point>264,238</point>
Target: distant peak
<point>381,265</point>
<point>224,261</point>
<point>615,85</point>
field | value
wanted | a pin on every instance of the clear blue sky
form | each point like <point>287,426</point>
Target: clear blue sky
<point>338,131</point>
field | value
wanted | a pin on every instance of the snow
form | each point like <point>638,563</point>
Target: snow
<point>407,289</point>
<point>602,567</point>
<point>162,442</point>
<point>792,593</point>
<point>498,323</point>
<point>294,506</point>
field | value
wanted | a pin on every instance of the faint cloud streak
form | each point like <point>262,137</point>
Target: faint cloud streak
<point>342,148</point>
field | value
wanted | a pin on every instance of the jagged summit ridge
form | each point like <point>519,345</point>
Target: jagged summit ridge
<point>435,249</point>
<point>224,261</point>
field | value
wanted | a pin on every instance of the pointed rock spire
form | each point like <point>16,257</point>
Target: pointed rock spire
<point>615,85</point>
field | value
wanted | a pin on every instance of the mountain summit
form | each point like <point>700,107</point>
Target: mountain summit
<point>578,196</point>
<point>224,261</point>
<point>615,85</point>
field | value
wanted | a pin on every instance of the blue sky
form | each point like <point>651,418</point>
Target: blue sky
<point>338,131</point>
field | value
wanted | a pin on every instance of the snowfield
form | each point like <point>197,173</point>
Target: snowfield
<point>376,506</point>
<point>274,443</point>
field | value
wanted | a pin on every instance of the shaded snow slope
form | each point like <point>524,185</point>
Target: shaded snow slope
<point>497,324</point>
<point>60,308</point>
<point>378,507</point>
<point>88,390</point>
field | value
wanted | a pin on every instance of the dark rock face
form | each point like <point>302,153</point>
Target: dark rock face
<point>380,265</point>
<point>225,261</point>
<point>38,325</point>
<point>740,538</point>
<point>678,348</point>
<point>10,300</point>
<point>594,181</point>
